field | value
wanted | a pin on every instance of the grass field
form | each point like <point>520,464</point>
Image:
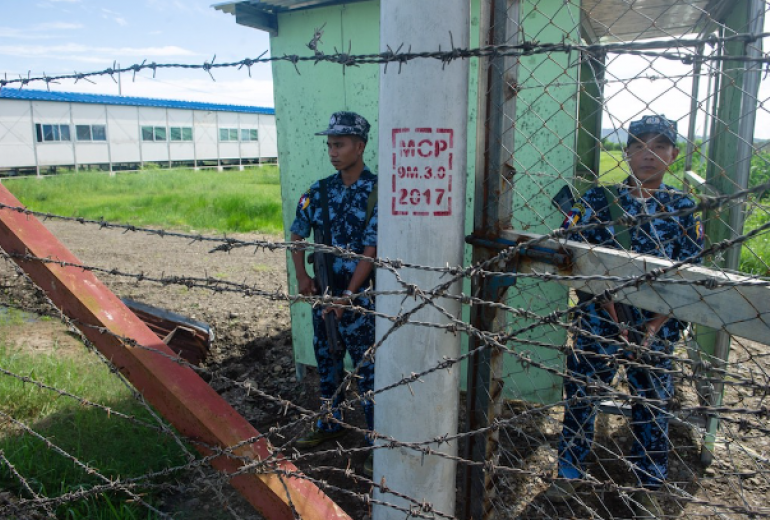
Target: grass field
<point>613,170</point>
<point>114,446</point>
<point>205,201</point>
<point>229,201</point>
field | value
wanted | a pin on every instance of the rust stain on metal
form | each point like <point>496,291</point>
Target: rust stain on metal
<point>188,338</point>
<point>182,397</point>
<point>512,85</point>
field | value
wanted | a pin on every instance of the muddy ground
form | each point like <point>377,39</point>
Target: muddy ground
<point>253,344</point>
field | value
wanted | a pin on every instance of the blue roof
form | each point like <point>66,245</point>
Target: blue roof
<point>101,99</point>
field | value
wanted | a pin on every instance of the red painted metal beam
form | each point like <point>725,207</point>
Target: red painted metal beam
<point>182,397</point>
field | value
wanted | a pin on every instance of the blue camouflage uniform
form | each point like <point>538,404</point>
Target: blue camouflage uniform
<point>675,238</point>
<point>350,230</point>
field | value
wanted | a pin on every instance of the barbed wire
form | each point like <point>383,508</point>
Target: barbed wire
<point>400,320</point>
<point>743,412</point>
<point>499,425</point>
<point>527,48</point>
<point>427,296</point>
<point>219,286</point>
<point>393,444</point>
<point>227,244</point>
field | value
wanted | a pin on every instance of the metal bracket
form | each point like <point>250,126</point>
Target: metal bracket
<point>559,257</point>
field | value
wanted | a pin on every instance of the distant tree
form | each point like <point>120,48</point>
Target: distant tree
<point>610,146</point>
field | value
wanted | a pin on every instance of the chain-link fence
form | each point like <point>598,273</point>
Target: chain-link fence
<point>616,364</point>
<point>572,389</point>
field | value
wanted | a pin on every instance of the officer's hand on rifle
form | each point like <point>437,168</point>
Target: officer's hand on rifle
<point>345,300</point>
<point>306,285</point>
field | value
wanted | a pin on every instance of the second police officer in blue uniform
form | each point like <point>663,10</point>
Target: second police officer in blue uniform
<point>349,219</point>
<point>651,149</point>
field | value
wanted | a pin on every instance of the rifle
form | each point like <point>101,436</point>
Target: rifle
<point>626,318</point>
<point>636,339</point>
<point>324,276</point>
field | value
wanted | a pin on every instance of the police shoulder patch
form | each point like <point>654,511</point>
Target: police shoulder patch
<point>700,234</point>
<point>574,216</point>
<point>304,201</point>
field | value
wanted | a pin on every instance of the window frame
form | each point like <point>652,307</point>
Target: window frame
<point>102,136</point>
<point>52,132</point>
<point>249,135</point>
<point>96,133</point>
<point>144,131</point>
<point>83,137</point>
<point>158,131</point>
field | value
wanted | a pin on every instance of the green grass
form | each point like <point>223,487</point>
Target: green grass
<point>206,200</point>
<point>111,444</point>
<point>755,254</point>
<point>614,170</point>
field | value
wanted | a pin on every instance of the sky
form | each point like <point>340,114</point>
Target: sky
<point>66,36</point>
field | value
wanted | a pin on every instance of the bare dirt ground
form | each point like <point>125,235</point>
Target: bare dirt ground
<point>252,335</point>
<point>253,343</point>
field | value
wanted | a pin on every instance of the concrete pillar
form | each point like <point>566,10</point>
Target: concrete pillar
<point>422,151</point>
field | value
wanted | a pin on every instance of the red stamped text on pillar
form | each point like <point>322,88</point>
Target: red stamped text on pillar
<point>422,173</point>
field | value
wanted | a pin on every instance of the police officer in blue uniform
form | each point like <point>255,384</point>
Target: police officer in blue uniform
<point>651,149</point>
<point>352,224</point>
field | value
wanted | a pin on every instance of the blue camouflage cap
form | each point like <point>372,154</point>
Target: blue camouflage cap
<point>347,123</point>
<point>652,125</point>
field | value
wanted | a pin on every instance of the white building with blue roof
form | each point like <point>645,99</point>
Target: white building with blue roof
<point>42,131</point>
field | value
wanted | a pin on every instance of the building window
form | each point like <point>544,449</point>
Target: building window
<point>99,132</point>
<point>91,132</point>
<point>51,133</point>
<point>183,133</point>
<point>228,134</point>
<point>153,133</point>
<point>248,134</point>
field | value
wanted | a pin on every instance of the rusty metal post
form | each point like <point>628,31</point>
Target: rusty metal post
<point>182,397</point>
<point>497,77</point>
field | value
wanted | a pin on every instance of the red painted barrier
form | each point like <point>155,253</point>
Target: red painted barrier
<point>177,392</point>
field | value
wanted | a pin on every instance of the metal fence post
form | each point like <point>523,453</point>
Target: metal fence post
<point>731,151</point>
<point>497,78</point>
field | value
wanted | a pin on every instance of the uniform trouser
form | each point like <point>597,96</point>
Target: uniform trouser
<point>356,334</point>
<point>649,420</point>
